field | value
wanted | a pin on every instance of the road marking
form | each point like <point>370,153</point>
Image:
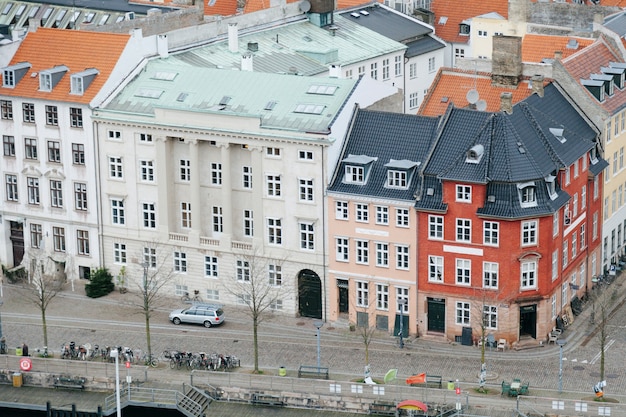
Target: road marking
<point>606,347</point>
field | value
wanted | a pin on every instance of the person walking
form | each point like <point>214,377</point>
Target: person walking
<point>24,349</point>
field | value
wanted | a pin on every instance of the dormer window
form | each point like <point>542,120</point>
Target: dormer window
<point>595,87</point>
<point>80,81</point>
<point>551,186</point>
<point>527,193</point>
<point>464,29</point>
<point>48,79</point>
<point>357,168</point>
<point>397,179</point>
<point>558,134</point>
<point>475,154</point>
<point>354,175</point>
<point>607,82</point>
<point>399,173</point>
<point>13,74</point>
<point>593,155</point>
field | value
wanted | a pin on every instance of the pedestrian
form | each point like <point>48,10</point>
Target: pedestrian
<point>3,345</point>
<point>24,349</point>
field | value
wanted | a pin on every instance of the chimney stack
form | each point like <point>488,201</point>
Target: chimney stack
<point>537,84</point>
<point>334,71</point>
<point>506,102</point>
<point>162,47</point>
<point>246,62</point>
<point>558,55</point>
<point>233,37</point>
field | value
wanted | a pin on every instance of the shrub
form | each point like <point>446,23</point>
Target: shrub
<point>101,283</point>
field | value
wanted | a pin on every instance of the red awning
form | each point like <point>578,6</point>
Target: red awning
<point>412,405</point>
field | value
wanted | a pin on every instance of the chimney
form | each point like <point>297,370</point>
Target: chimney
<point>558,55</point>
<point>506,54</point>
<point>162,47</point>
<point>334,71</point>
<point>233,37</point>
<point>33,24</point>
<point>537,84</point>
<point>246,62</point>
<point>506,102</point>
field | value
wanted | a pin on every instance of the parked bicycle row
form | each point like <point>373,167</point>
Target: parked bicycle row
<point>95,352</point>
<point>200,360</point>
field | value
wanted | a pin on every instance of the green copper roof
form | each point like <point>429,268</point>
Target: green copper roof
<point>280,101</point>
<point>299,47</point>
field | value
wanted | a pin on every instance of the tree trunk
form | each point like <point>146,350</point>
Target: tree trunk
<point>148,337</point>
<point>255,342</point>
<point>45,327</point>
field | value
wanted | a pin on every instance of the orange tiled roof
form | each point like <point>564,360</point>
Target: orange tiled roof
<point>456,13</point>
<point>256,5</point>
<point>590,61</point>
<point>616,3</point>
<point>76,49</point>
<point>220,7</point>
<point>452,85</point>
<point>537,47</point>
<point>349,4</point>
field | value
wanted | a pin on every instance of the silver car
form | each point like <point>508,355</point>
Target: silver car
<point>207,315</point>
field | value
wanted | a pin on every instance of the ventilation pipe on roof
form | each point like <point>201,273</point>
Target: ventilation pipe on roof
<point>558,55</point>
<point>506,102</point>
<point>334,71</point>
<point>162,48</point>
<point>233,37</point>
<point>246,62</point>
<point>537,84</point>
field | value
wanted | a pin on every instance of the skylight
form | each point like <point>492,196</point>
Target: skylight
<point>182,97</point>
<point>327,90</point>
<point>148,93</point>
<point>7,8</point>
<point>558,133</point>
<point>164,75</point>
<point>309,108</point>
<point>224,101</point>
<point>270,105</point>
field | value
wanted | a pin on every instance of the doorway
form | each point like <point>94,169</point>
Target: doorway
<point>342,289</point>
<point>309,294</point>
<point>528,321</point>
<point>436,315</point>
<point>17,242</point>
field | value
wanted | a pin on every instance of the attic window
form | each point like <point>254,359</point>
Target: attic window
<point>355,15</point>
<point>327,90</point>
<point>616,73</point>
<point>48,79</point>
<point>309,108</point>
<point>364,12</point>
<point>164,76</point>
<point>595,87</point>
<point>7,8</point>
<point>89,17</point>
<point>558,133</point>
<point>225,100</point>
<point>182,97</point>
<point>443,20</point>
<point>80,81</point>
<point>397,179</point>
<point>475,154</point>
<point>607,82</point>
<point>527,193</point>
<point>104,19</point>
<point>464,29</point>
<point>13,74</point>
<point>551,186</point>
<point>148,93</point>
<point>270,105</point>
<point>356,169</point>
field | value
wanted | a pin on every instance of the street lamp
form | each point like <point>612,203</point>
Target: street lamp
<point>318,325</point>
<point>561,343</point>
<point>115,354</point>
<point>402,304</point>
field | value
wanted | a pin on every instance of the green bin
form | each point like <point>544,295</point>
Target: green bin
<point>451,385</point>
<point>18,351</point>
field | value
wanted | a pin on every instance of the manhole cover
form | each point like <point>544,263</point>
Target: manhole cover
<point>612,376</point>
<point>300,323</point>
<point>579,368</point>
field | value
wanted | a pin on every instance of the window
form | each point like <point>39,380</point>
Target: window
<point>414,100</point>
<point>594,232</point>
<point>362,251</point>
<point>362,212</point>
<point>28,112</point>
<point>435,268</point>
<point>246,179</point>
<point>382,254</point>
<point>490,317</point>
<point>402,300</point>
<point>574,244</point>
<point>274,231</point>
<point>245,299</point>
<point>459,52</point>
<point>374,70</point>
<point>490,275</point>
<point>386,69</point>
<point>273,186</point>
<point>218,219</point>
<point>185,215</point>
<point>114,135</point>
<point>36,235</point>
<point>307,236</point>
<point>180,262</point>
<point>52,116</point>
<point>185,169</point>
<point>118,213</point>
<point>8,144</point>
<point>402,257</point>
<point>149,215</point>
<point>529,233</point>
<point>431,64</point>
<point>150,257</point>
<point>482,33</point>
<point>145,137</point>
<point>82,242</point>
<point>216,173</point>
<point>272,152</point>
<point>402,217</point>
<point>305,155</point>
<point>54,151</point>
<point>583,243</point>
<point>115,167</point>
<point>78,153</point>
<point>398,65</point>
<point>583,197</point>
<point>435,227</point>
<point>30,148</point>
<point>76,117</point>
<point>463,271</point>
<point>248,223</point>
<point>341,210</point>
<point>146,169</point>
<point>275,274</point>
<point>119,253</point>
<point>464,193</point>
<point>528,196</point>
<point>210,266</point>
<point>462,313</point>
<point>362,294</point>
<point>529,275</point>
<point>6,109</point>
<point>354,175</point>
<point>382,297</point>
<point>412,70</point>
<point>397,179</point>
<point>33,190</point>
<point>11,187</point>
<point>58,237</point>
<point>565,253</point>
<point>306,190</point>
<point>342,249</point>
<point>382,215</point>
<point>491,232</point>
<point>243,270</point>
<point>555,265</point>
<point>463,230</point>
<point>56,193</point>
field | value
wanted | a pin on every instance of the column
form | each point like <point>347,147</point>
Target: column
<point>227,203</point>
<point>194,189</point>
<point>164,188</point>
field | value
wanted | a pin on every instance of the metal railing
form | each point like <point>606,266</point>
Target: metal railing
<point>164,398</point>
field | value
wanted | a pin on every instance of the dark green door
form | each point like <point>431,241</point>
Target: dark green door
<point>310,294</point>
<point>436,315</point>
<point>342,286</point>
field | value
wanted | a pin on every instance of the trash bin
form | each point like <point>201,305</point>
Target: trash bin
<point>282,371</point>
<point>451,385</point>
<point>18,351</point>
<point>17,379</point>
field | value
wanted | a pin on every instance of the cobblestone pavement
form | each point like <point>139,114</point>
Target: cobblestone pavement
<point>291,342</point>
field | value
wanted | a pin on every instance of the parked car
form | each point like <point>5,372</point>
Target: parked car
<point>208,315</point>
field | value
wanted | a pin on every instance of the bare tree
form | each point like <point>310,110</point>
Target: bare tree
<point>366,331</point>
<point>152,274</point>
<point>258,284</point>
<point>603,302</point>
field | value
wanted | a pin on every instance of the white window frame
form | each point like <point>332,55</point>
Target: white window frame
<point>435,227</point>
<point>491,275</point>
<point>435,268</point>
<point>463,272</point>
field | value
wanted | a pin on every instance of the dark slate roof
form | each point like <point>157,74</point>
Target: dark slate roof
<point>386,137</point>
<point>423,46</point>
<point>616,23</point>
<point>388,23</point>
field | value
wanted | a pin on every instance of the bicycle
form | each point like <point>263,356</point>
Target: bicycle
<point>196,297</point>
<point>150,360</point>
